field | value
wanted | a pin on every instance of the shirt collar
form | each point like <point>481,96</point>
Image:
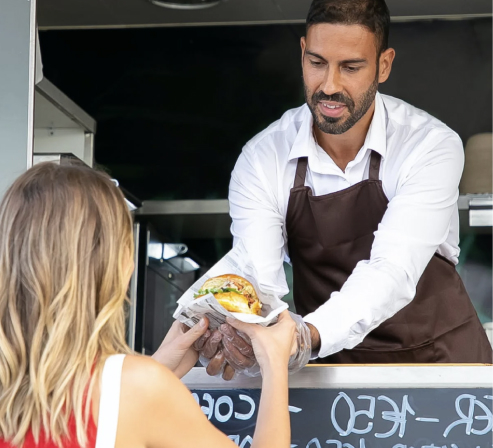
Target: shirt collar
<point>376,138</point>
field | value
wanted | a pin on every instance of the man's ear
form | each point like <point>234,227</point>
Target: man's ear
<point>303,48</point>
<point>386,59</point>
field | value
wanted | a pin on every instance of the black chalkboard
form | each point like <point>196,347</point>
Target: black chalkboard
<point>363,418</point>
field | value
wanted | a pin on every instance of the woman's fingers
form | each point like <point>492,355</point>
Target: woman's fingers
<point>189,337</point>
<point>284,316</point>
<point>294,344</point>
<point>248,329</point>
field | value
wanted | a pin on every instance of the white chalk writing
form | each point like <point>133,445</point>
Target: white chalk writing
<point>395,416</point>
<point>467,418</point>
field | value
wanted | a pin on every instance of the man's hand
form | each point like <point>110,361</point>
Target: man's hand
<point>210,346</point>
<point>225,347</point>
<point>176,350</point>
<point>315,337</point>
<point>237,351</point>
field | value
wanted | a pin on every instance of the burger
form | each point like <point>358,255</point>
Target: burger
<point>233,292</point>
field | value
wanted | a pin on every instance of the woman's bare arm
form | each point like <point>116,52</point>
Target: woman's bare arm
<point>158,411</point>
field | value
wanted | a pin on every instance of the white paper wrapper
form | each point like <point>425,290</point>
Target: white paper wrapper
<point>236,262</point>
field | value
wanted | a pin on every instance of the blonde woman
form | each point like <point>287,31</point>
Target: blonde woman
<point>67,378</point>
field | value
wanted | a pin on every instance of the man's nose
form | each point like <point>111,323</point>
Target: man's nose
<point>332,82</point>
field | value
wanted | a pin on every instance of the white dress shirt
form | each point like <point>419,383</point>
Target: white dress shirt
<point>422,162</point>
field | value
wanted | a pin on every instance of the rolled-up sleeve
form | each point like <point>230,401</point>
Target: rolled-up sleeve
<point>416,222</point>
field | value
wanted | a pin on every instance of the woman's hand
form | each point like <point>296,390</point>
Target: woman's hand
<point>176,351</point>
<point>274,345</point>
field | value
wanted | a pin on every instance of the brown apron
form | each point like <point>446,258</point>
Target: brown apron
<point>328,235</point>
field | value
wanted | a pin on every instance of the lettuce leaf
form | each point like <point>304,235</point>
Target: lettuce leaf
<point>203,292</point>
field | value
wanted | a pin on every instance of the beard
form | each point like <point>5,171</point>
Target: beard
<point>340,125</point>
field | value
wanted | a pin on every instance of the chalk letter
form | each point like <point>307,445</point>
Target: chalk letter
<point>313,441</point>
<point>466,419</point>
<point>350,423</point>
<point>334,442</point>
<point>209,411</point>
<point>488,416</point>
<point>370,414</point>
<point>396,416</point>
<point>252,409</point>
<point>246,440</point>
<point>223,400</point>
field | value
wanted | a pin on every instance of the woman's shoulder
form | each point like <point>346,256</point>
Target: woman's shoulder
<point>147,396</point>
<point>146,378</point>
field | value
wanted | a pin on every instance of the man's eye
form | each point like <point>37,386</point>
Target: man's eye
<point>316,63</point>
<point>351,69</point>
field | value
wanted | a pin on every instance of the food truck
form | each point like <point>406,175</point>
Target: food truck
<point>119,84</point>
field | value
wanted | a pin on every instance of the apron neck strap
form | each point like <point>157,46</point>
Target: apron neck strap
<point>299,180</point>
<point>375,160</point>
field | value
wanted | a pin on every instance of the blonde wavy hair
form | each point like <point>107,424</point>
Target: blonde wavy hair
<point>65,249</point>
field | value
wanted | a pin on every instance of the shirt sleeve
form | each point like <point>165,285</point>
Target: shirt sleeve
<point>257,220</point>
<point>416,222</point>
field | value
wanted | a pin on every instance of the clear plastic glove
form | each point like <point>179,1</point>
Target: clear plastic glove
<point>211,349</point>
<point>273,345</point>
<point>211,344</point>
<point>303,350</point>
<point>237,353</point>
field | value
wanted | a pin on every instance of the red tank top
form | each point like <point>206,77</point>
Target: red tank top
<point>29,441</point>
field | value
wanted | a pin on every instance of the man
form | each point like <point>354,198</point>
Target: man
<point>359,191</point>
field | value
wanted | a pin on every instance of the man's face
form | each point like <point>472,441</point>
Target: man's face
<point>340,73</point>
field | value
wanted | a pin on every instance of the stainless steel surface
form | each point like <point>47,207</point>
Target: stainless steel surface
<point>196,219</point>
<point>60,14</point>
<point>56,158</point>
<point>483,201</point>
<point>367,376</point>
<point>475,200</point>
<point>132,315</point>
<point>191,207</point>
<point>89,147</point>
<point>479,209</point>
<point>17,75</point>
<point>60,125</point>
<point>481,218</point>
<point>185,5</point>
<point>71,116</point>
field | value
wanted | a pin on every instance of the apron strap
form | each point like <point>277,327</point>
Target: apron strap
<point>374,171</point>
<point>299,180</point>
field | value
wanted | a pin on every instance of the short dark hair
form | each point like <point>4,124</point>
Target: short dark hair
<point>372,14</point>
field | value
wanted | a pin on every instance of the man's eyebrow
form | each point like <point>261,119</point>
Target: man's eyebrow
<point>346,61</point>
<point>354,61</point>
<point>311,53</point>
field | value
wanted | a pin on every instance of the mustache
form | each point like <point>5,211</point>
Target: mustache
<point>336,97</point>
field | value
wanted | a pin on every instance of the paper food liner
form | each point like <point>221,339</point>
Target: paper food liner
<point>236,261</point>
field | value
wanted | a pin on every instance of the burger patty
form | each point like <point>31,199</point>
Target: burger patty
<point>233,285</point>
